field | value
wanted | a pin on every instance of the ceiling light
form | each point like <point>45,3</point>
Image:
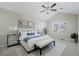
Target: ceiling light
<point>48,8</point>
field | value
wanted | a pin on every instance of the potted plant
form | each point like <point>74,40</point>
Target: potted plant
<point>75,37</point>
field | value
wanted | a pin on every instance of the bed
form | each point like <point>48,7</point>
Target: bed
<point>29,37</point>
<point>28,34</point>
<point>27,41</point>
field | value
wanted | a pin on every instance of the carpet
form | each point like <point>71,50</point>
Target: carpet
<point>18,50</point>
<point>50,50</point>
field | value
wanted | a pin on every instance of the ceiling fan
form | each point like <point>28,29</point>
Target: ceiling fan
<point>48,7</point>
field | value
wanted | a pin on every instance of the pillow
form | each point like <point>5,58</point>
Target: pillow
<point>33,33</point>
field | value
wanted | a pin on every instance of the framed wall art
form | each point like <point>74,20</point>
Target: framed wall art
<point>26,24</point>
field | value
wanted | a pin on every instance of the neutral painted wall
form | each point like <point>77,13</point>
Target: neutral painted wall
<point>10,19</point>
<point>71,24</point>
<point>7,19</point>
<point>78,33</point>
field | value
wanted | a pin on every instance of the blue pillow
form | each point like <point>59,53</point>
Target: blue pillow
<point>30,33</point>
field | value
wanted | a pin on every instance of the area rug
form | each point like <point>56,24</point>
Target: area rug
<point>50,50</point>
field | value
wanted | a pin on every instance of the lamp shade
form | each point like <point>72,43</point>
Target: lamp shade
<point>13,30</point>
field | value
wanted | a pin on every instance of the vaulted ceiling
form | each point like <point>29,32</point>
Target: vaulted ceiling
<point>33,8</point>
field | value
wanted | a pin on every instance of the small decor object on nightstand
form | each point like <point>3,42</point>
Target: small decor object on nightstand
<point>12,39</point>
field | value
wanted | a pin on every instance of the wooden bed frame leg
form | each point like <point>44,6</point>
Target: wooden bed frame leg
<point>40,52</point>
<point>54,42</point>
<point>28,52</point>
<point>34,47</point>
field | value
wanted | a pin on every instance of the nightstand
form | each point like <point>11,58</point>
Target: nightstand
<point>12,40</point>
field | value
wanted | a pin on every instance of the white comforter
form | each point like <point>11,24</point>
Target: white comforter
<point>31,42</point>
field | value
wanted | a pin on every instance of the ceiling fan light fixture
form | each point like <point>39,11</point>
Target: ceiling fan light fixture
<point>48,8</point>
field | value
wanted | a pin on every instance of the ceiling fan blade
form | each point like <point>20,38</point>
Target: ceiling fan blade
<point>53,10</point>
<point>53,5</point>
<point>42,11</point>
<point>43,6</point>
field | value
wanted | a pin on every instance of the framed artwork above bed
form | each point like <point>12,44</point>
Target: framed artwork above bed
<point>31,24</point>
<point>22,23</point>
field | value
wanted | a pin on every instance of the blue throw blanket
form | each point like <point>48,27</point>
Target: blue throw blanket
<point>29,38</point>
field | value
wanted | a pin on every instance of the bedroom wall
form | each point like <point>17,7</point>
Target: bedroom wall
<point>78,33</point>
<point>71,24</point>
<point>7,19</point>
<point>10,19</point>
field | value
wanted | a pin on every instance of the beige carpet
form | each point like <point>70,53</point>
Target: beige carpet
<point>18,50</point>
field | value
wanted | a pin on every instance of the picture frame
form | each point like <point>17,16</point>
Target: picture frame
<point>25,24</point>
<point>22,23</point>
<point>31,24</point>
